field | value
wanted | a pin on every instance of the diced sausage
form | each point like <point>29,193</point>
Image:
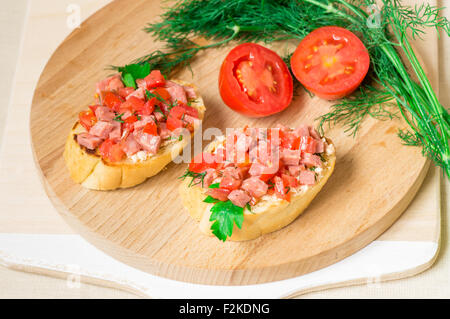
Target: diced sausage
<point>311,160</point>
<point>255,187</point>
<point>239,197</point>
<point>218,193</point>
<point>112,83</point>
<point>103,113</point>
<point>139,93</point>
<point>130,146</point>
<point>116,132</point>
<point>101,129</point>
<point>307,178</point>
<point>89,141</point>
<point>295,170</point>
<point>150,143</point>
<point>290,157</point>
<point>177,93</point>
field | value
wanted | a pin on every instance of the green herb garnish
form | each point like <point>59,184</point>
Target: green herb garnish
<point>215,185</point>
<point>132,72</point>
<point>118,118</point>
<point>225,215</point>
<point>210,199</point>
<point>198,177</point>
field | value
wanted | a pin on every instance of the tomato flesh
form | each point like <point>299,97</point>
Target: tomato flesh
<point>202,162</point>
<point>155,79</point>
<point>255,81</point>
<point>111,151</point>
<point>151,128</point>
<point>87,119</point>
<point>331,62</point>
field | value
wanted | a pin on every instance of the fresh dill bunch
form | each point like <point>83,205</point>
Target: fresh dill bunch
<point>187,21</point>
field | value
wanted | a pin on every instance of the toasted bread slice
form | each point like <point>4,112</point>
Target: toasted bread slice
<point>91,171</point>
<point>269,214</point>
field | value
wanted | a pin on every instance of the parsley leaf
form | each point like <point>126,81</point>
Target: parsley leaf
<point>132,72</point>
<point>215,185</point>
<point>225,215</point>
<point>128,80</point>
<point>210,199</point>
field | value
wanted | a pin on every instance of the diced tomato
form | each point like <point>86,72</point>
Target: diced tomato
<point>149,106</point>
<point>230,183</point>
<point>202,162</point>
<point>174,123</point>
<point>133,104</point>
<point>124,92</point>
<point>151,128</point>
<point>175,119</point>
<point>281,190</point>
<point>112,100</point>
<point>129,123</point>
<point>93,107</point>
<point>111,151</point>
<point>162,92</point>
<point>189,109</point>
<point>246,163</point>
<point>289,180</point>
<point>155,79</point>
<point>308,144</point>
<point>87,119</point>
<point>290,141</point>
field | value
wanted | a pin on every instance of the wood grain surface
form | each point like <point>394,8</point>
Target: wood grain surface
<point>146,226</point>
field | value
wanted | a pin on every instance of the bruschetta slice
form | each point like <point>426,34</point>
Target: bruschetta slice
<point>132,133</point>
<point>256,181</point>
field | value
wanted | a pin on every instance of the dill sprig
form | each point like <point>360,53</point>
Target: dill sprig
<point>196,178</point>
<point>384,32</point>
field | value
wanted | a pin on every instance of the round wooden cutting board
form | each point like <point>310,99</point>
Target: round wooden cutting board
<point>147,227</point>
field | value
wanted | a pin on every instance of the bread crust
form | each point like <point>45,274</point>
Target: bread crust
<point>91,171</point>
<point>270,216</point>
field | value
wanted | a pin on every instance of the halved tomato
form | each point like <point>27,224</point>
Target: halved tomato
<point>255,81</point>
<point>331,62</point>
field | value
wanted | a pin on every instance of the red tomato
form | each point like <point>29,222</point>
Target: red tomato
<point>289,180</point>
<point>111,151</point>
<point>93,107</point>
<point>162,92</point>
<point>133,104</point>
<point>151,128</point>
<point>202,161</point>
<point>155,79</point>
<point>255,81</point>
<point>87,119</point>
<point>175,119</point>
<point>112,100</point>
<point>149,106</point>
<point>331,62</point>
<point>189,110</point>
<point>290,141</point>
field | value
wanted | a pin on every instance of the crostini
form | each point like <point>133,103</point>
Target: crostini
<point>133,131</point>
<point>256,181</point>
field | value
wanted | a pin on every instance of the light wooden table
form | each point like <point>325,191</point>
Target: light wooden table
<point>435,282</point>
